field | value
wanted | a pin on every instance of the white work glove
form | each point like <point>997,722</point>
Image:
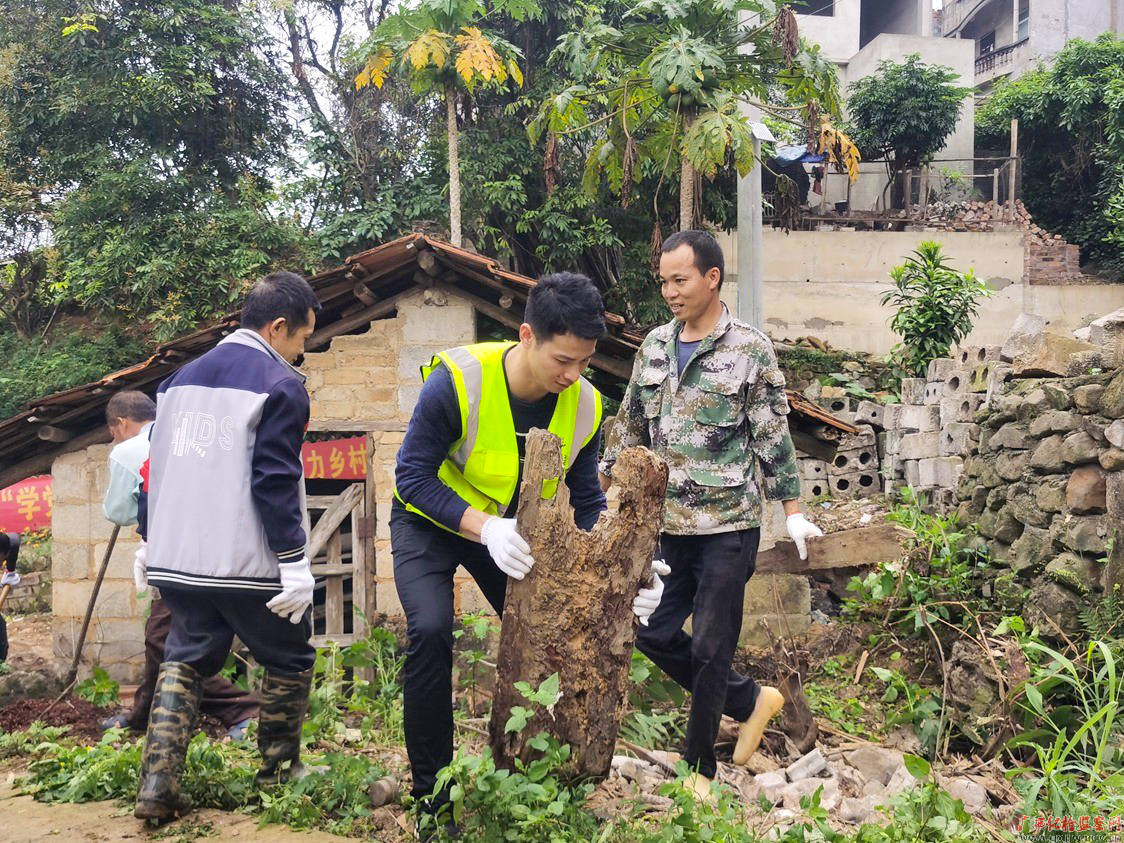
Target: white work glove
<point>508,549</point>
<point>140,567</point>
<point>801,529</point>
<point>11,578</point>
<point>648,598</point>
<point>297,585</point>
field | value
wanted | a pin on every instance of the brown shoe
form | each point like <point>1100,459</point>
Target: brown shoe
<point>769,702</point>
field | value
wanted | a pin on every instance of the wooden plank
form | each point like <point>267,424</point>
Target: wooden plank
<point>332,518</point>
<point>357,320</point>
<point>325,569</point>
<point>359,580</point>
<point>813,447</point>
<point>333,592</point>
<point>860,546</point>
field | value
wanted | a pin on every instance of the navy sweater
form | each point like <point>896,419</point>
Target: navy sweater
<point>436,425</point>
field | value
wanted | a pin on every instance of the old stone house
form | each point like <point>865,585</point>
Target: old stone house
<point>385,312</point>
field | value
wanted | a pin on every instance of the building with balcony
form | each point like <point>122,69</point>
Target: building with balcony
<point>1013,36</point>
<point>857,35</point>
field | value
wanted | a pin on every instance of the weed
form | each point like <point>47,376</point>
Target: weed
<point>26,742</point>
<point>912,705</point>
<point>99,689</point>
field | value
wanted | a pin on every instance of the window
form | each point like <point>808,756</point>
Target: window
<point>1024,20</point>
<point>987,43</point>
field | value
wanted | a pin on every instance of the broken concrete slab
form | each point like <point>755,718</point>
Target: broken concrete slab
<point>1026,328</point>
<point>1050,355</point>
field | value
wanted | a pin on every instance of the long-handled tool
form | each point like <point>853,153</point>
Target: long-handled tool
<point>72,674</point>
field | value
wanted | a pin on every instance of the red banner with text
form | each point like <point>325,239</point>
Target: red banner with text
<point>26,505</point>
<point>336,459</point>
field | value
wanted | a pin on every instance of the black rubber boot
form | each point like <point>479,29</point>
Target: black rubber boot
<point>284,704</point>
<point>171,726</point>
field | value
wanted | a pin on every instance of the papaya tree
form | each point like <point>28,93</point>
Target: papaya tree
<point>442,46</point>
<point>663,81</point>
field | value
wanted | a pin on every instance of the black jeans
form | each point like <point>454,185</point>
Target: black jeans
<point>221,699</point>
<point>204,624</point>
<point>707,582</point>
<point>425,557</point>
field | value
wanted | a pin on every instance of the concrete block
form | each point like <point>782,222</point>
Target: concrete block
<point>70,561</point>
<point>812,469</point>
<point>838,405</point>
<point>911,470</point>
<point>754,628</point>
<point>857,483</point>
<point>891,416</point>
<point>807,766</point>
<point>913,391</point>
<point>814,489</point>
<point>1027,326</point>
<point>386,599</point>
<point>854,459</point>
<point>869,412</point>
<point>792,591</point>
<point>959,408</point>
<point>941,472</point>
<point>443,322</point>
<point>920,418</point>
<point>121,561</point>
<point>958,439</point>
<point>864,438</point>
<point>958,382</point>
<point>918,446</point>
<point>974,355</point>
<point>70,521</point>
<point>940,369</point>
<point>934,392</point>
<point>470,600</point>
<point>1052,355</point>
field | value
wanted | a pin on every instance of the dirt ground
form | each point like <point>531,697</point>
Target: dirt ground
<point>28,821</point>
<point>29,641</point>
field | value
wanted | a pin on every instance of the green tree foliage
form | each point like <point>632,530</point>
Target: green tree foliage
<point>1071,143</point>
<point>936,305</point>
<point>662,79</point>
<point>904,112</point>
<point>31,368</point>
<point>140,139</point>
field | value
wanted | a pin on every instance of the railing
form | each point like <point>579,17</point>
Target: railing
<point>997,58</point>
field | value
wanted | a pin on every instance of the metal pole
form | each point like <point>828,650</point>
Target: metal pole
<point>1014,168</point>
<point>751,263</point>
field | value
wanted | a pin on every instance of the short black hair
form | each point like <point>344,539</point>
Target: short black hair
<point>565,303</point>
<point>708,254</point>
<point>279,294</point>
<point>132,405</point>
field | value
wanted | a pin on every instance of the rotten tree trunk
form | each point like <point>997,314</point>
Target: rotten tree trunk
<point>572,615</point>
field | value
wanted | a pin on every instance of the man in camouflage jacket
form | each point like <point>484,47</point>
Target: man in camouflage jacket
<point>707,396</point>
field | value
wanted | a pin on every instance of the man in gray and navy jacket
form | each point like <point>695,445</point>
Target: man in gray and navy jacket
<point>226,524</point>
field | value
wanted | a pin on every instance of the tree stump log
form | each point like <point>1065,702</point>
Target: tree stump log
<point>572,614</point>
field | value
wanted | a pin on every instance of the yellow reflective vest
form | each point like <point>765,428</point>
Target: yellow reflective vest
<point>482,467</point>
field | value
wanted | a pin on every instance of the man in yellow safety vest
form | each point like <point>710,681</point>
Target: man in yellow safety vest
<point>457,487</point>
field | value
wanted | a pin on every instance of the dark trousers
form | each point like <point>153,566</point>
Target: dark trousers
<point>425,557</point>
<point>204,624</point>
<point>707,582</point>
<point>222,699</point>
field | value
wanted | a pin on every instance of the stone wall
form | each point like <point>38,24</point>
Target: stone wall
<point>1026,442</point>
<point>79,538</point>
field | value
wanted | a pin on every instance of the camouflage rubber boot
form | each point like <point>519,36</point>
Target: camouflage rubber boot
<point>171,726</point>
<point>284,704</point>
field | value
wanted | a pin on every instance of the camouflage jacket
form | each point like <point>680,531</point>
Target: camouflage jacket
<point>725,413</point>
